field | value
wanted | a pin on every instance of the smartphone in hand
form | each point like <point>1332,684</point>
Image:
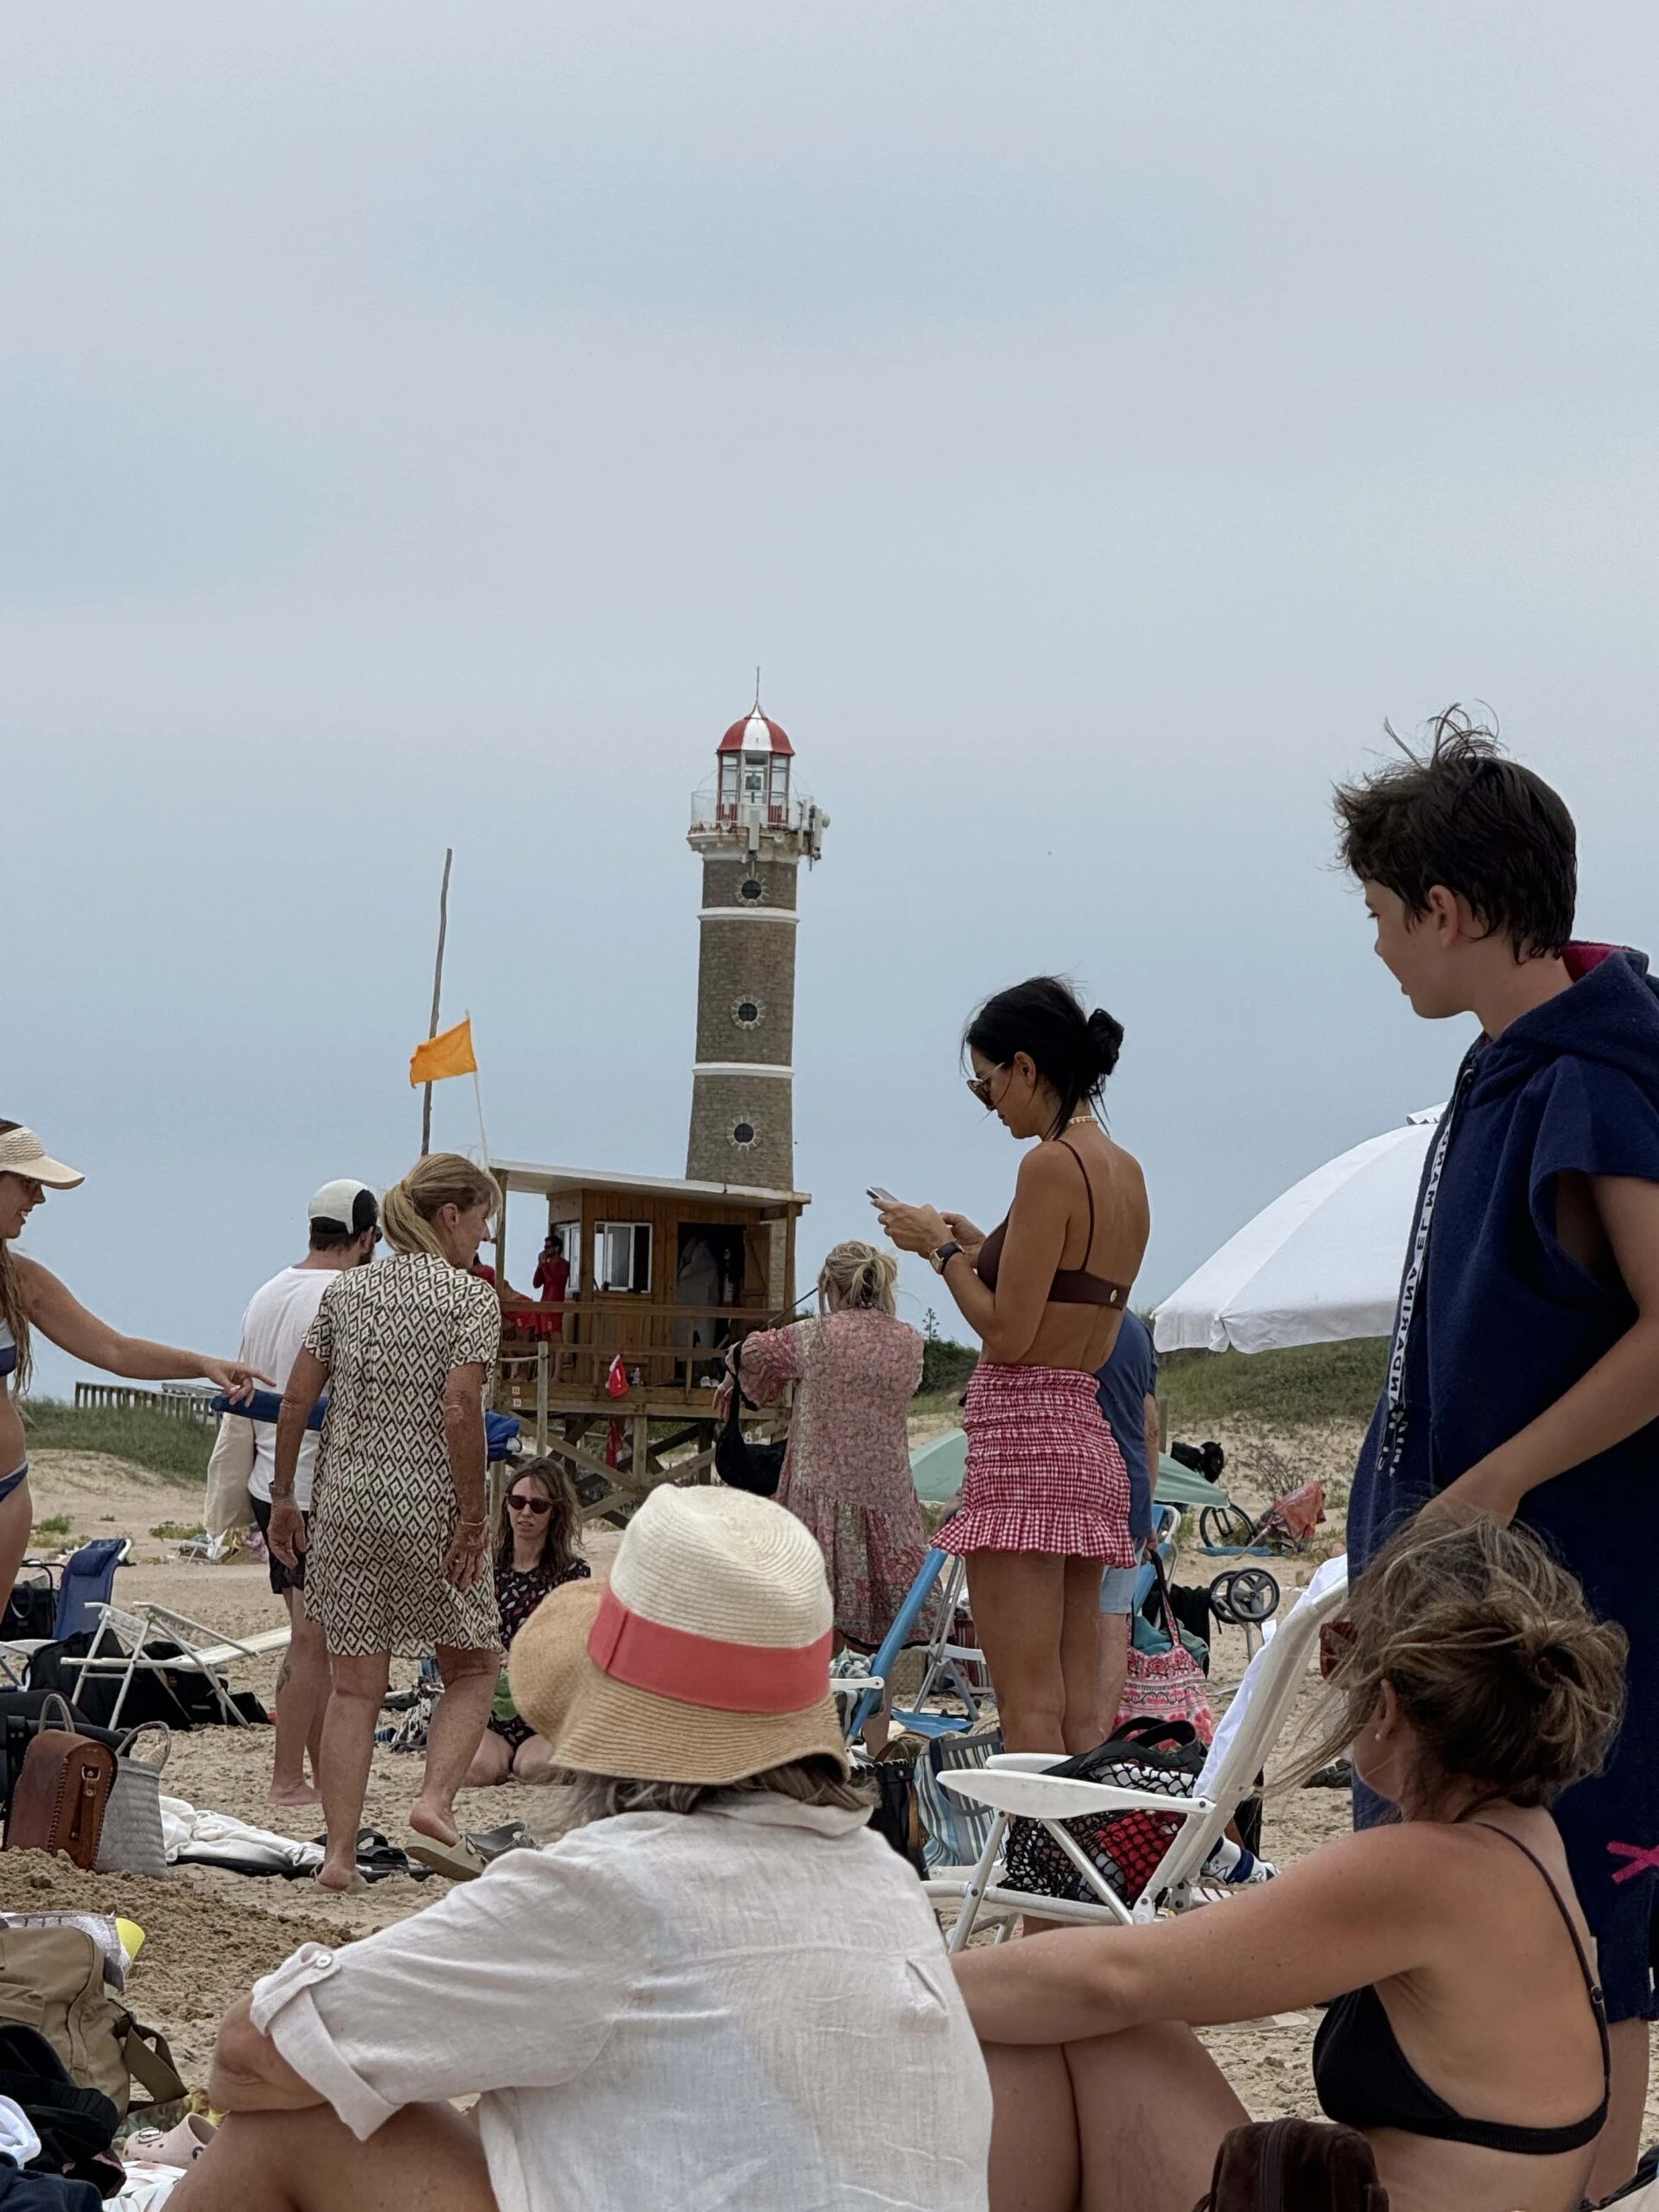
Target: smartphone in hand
<point>878,1197</point>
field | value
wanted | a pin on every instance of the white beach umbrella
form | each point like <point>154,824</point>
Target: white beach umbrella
<point>1319,1265</point>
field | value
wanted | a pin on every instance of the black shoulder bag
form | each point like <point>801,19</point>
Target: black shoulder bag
<point>757,1468</point>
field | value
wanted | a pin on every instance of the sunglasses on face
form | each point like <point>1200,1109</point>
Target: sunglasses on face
<point>529,1504</point>
<point>981,1087</point>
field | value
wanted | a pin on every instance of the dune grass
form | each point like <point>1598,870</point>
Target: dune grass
<point>164,1443</point>
<point>1280,1389</point>
<point>1197,1389</point>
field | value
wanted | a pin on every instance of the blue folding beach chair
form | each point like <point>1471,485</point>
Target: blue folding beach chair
<point>944,1662</point>
<point>86,1581</point>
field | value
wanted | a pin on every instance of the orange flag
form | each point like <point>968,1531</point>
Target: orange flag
<point>449,1053</point>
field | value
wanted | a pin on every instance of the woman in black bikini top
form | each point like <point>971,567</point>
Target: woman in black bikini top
<point>1465,2035</point>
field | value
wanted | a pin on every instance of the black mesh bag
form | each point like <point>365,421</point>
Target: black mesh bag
<point>1161,1759</point>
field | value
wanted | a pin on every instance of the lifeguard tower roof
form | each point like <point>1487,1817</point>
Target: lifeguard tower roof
<point>524,1175</point>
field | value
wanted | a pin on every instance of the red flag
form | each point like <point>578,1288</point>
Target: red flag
<point>613,1446</point>
<point>616,1379</point>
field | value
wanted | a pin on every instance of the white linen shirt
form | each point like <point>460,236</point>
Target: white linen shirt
<point>744,2008</point>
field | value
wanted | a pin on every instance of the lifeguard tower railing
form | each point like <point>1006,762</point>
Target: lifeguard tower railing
<point>668,1353</point>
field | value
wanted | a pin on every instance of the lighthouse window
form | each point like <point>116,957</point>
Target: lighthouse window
<point>743,1133</point>
<point>745,1012</point>
<point>751,887</point>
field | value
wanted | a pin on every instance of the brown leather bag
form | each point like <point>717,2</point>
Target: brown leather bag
<point>62,1791</point>
<point>1294,2165</point>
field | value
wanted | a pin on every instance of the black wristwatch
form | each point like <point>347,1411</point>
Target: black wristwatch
<point>942,1259</point>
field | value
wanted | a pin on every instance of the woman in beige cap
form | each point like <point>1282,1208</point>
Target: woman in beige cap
<point>31,1297</point>
<point>720,1988</point>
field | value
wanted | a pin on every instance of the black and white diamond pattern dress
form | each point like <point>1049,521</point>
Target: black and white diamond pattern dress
<point>384,1510</point>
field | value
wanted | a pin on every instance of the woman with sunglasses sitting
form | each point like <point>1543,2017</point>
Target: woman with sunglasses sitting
<point>1465,2035</point>
<point>1046,1504</point>
<point>534,1552</point>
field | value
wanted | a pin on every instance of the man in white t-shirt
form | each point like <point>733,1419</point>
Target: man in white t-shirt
<point>345,1219</point>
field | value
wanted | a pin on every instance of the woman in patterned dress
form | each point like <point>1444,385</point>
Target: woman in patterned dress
<point>396,1548</point>
<point>534,1552</point>
<point>846,1473</point>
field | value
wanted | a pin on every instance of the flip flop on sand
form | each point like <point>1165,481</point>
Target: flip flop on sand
<point>378,1856</point>
<point>491,1843</point>
<point>461,1861</point>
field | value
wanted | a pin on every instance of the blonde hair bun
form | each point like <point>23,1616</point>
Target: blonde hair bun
<point>857,1277</point>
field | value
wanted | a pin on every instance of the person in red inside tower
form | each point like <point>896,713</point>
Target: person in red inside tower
<point>1045,1505</point>
<point>552,1282</point>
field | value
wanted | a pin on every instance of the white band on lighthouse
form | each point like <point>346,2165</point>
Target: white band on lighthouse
<point>747,914</point>
<point>738,1067</point>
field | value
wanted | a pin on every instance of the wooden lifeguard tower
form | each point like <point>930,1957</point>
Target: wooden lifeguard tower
<point>665,1275</point>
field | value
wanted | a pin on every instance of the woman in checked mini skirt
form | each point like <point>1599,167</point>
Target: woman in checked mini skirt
<point>1046,1506</point>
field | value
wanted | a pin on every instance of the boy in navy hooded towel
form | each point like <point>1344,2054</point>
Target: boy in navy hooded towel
<point>1523,1376</point>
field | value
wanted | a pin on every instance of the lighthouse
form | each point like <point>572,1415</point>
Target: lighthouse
<point>752,826</point>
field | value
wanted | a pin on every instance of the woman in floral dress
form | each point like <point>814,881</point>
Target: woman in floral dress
<point>855,1367</point>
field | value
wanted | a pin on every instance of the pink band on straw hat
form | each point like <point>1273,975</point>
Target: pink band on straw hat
<point>691,1670</point>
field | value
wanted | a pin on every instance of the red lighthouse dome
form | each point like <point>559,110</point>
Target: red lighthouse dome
<point>754,733</point>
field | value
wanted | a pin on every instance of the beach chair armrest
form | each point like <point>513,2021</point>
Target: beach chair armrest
<point>1061,1798</point>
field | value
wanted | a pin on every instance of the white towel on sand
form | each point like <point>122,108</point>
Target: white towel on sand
<point>218,1839</point>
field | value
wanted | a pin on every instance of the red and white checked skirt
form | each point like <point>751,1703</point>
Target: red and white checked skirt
<point>1045,1473</point>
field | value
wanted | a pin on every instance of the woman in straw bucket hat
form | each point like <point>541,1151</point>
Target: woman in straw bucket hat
<point>720,1988</point>
<point>32,1297</point>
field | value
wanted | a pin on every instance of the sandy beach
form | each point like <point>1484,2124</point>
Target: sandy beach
<point>211,1933</point>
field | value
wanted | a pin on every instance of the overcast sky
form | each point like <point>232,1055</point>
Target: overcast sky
<point>419,419</point>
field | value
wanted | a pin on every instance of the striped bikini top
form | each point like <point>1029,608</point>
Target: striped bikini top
<point>8,1348</point>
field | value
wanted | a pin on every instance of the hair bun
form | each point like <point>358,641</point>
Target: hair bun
<point>1107,1035</point>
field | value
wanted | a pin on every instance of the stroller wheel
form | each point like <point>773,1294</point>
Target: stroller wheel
<point>1245,1594</point>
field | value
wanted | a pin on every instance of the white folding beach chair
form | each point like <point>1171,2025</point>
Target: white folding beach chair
<point>1019,1784</point>
<point>131,1649</point>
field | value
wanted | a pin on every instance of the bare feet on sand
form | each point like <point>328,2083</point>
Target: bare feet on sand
<point>437,1821</point>
<point>302,1793</point>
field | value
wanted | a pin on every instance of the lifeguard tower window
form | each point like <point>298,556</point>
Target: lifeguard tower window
<point>622,1256</point>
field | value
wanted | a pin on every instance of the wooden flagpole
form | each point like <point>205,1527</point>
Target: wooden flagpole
<point>437,996</point>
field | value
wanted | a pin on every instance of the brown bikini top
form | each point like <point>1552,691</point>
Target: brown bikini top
<point>1070,1286</point>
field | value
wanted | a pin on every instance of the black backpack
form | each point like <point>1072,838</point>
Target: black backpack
<point>76,2127</point>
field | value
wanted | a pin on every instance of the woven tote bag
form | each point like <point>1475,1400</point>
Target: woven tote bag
<point>131,1842</point>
